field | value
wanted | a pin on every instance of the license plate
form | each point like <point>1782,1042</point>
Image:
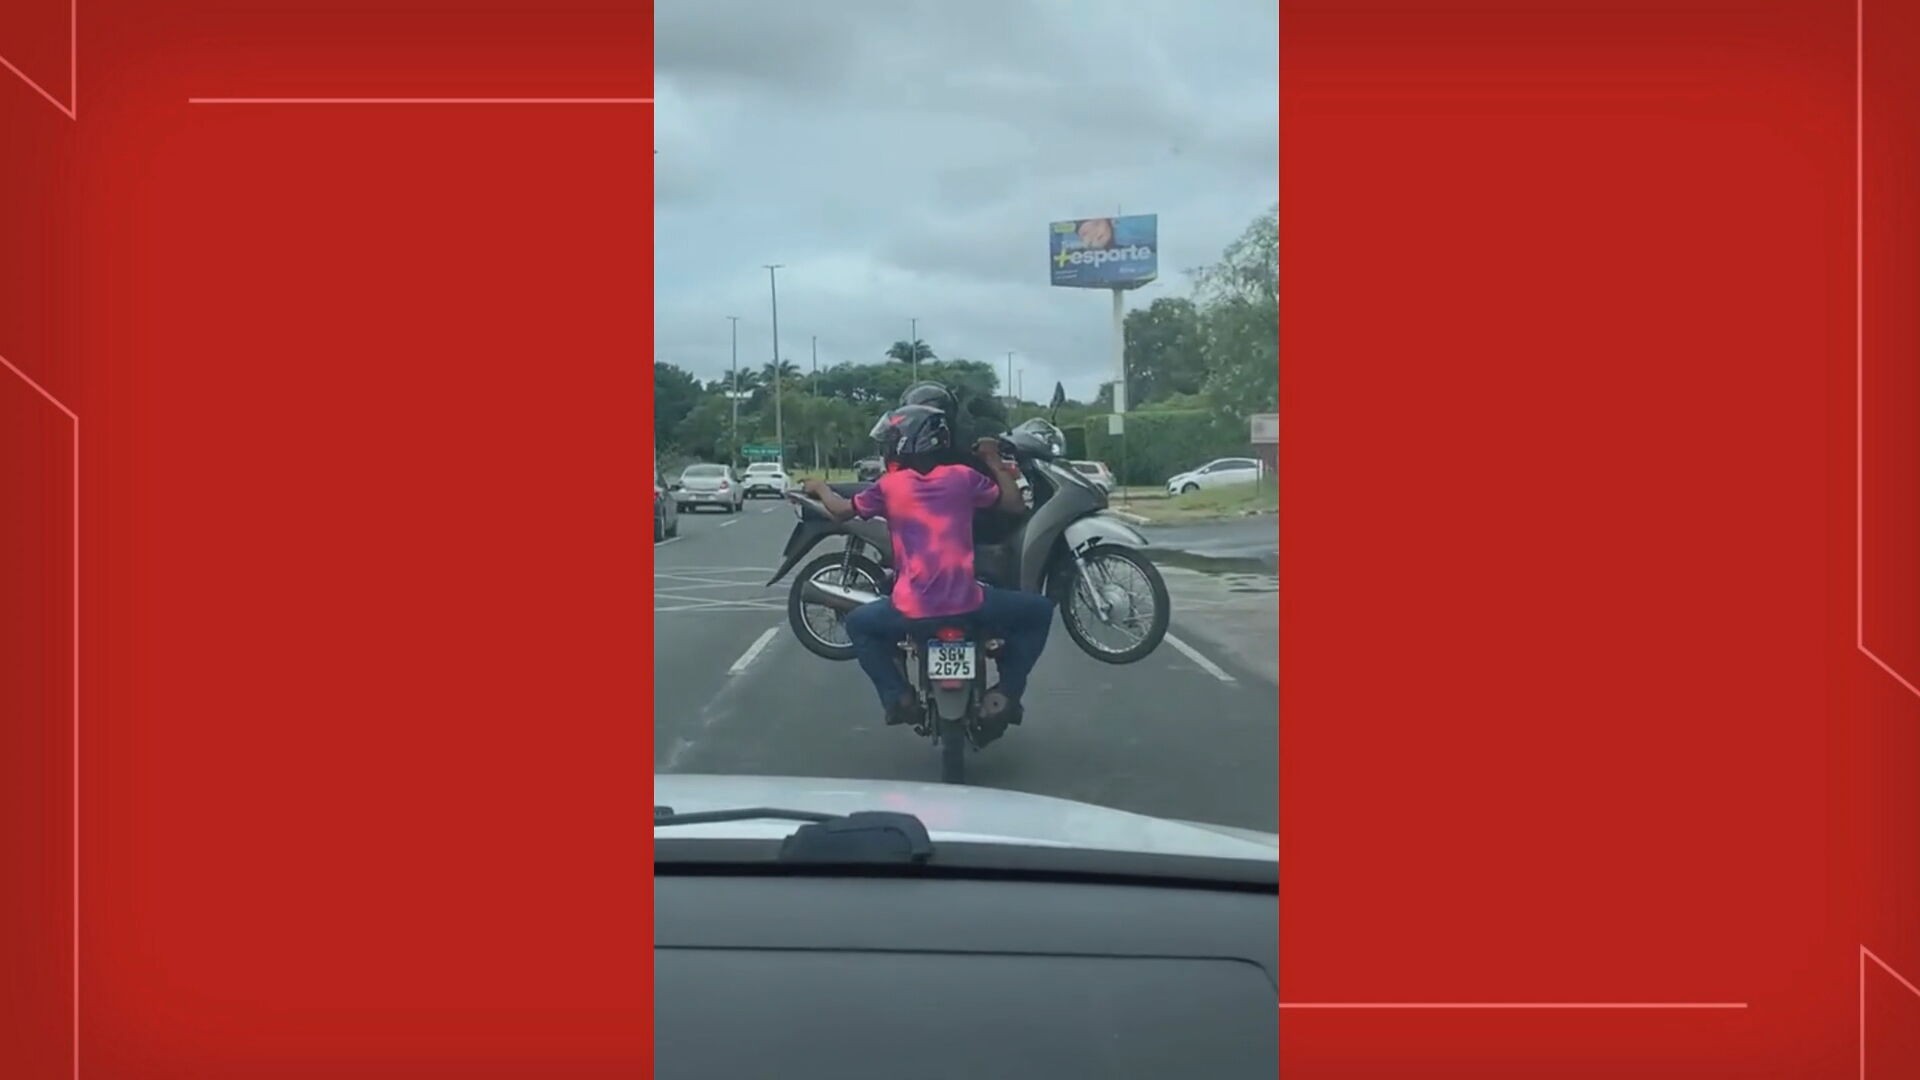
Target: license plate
<point>949,659</point>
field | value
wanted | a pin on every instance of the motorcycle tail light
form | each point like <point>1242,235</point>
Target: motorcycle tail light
<point>950,633</point>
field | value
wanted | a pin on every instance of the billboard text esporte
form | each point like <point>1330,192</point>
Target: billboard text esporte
<point>1105,253</point>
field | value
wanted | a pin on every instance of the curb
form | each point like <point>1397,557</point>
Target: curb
<point>1129,517</point>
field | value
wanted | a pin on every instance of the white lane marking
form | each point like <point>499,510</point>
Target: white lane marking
<point>753,651</point>
<point>669,540</point>
<point>730,521</point>
<point>1193,654</point>
<point>770,509</point>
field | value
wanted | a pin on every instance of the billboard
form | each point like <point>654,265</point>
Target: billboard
<point>1105,253</point>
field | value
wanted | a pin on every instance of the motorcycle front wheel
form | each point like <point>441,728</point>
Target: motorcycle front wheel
<point>820,628</point>
<point>1136,603</point>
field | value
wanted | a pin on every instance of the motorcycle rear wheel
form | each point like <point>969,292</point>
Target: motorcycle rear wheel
<point>953,751</point>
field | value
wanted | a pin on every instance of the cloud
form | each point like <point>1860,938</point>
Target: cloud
<point>902,158</point>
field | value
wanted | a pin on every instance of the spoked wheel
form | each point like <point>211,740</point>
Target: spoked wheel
<point>820,628</point>
<point>1114,604</point>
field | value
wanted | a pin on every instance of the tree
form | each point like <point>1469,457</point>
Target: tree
<point>705,429</point>
<point>1241,303</point>
<point>1249,269</point>
<point>907,352</point>
<point>675,393</point>
<point>788,371</point>
<point>818,424</point>
<point>1166,350</point>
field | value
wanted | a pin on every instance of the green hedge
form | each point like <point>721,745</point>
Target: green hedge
<point>1162,442</point>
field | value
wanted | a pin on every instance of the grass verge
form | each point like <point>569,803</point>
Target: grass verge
<point>1240,500</point>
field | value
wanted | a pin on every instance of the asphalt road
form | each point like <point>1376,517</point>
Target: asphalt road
<point>1189,733</point>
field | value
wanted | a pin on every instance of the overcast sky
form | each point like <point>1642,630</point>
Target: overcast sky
<point>902,158</point>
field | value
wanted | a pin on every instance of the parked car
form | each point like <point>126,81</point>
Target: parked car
<point>666,512</point>
<point>1217,473</point>
<point>867,470</point>
<point>765,478</point>
<point>708,485</point>
<point>1095,471</point>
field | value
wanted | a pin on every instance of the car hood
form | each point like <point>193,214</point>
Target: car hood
<point>955,813</point>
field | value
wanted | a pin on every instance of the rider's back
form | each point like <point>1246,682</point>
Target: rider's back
<point>930,520</point>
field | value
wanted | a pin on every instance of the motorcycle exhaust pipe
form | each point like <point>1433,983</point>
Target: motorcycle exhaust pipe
<point>838,597</point>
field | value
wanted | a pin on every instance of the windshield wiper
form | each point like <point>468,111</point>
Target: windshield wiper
<point>866,836</point>
<point>665,815</point>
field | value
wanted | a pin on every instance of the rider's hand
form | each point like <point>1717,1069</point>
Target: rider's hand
<point>814,486</point>
<point>987,449</point>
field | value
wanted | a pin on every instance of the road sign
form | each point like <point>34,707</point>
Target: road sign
<point>1266,429</point>
<point>760,452</point>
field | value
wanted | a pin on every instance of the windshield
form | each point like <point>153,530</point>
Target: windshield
<point>912,164</point>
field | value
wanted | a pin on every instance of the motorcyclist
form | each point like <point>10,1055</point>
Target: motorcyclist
<point>929,503</point>
<point>991,526</point>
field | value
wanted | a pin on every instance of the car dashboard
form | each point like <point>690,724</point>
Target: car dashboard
<point>961,974</point>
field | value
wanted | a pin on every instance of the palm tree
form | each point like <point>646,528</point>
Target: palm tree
<point>788,370</point>
<point>910,352</point>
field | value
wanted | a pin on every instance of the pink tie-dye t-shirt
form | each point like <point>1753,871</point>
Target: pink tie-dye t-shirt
<point>930,517</point>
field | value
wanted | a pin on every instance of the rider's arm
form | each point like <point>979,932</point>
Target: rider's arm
<point>1011,501</point>
<point>840,508</point>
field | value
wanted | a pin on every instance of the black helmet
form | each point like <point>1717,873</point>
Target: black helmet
<point>912,429</point>
<point>931,394</point>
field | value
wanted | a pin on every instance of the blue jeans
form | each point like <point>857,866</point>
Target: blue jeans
<point>1021,619</point>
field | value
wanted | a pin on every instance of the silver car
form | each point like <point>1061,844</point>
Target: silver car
<point>708,485</point>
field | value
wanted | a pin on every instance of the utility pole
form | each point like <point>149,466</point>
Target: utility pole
<point>816,365</point>
<point>733,453</point>
<point>779,422</point>
<point>913,348</point>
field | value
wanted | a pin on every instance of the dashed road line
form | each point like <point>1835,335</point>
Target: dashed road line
<point>753,651</point>
<point>1206,665</point>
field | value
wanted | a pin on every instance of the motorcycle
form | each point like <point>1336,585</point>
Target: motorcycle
<point>1066,547</point>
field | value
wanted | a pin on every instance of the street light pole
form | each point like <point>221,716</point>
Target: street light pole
<point>913,348</point>
<point>733,454</point>
<point>779,424</point>
<point>816,365</point>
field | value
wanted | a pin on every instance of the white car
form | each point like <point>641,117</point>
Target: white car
<point>1095,471</point>
<point>1217,473</point>
<point>765,478</point>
